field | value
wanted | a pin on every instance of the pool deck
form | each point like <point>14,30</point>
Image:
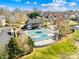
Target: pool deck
<point>44,42</point>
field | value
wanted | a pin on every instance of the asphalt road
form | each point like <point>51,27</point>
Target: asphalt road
<point>4,37</point>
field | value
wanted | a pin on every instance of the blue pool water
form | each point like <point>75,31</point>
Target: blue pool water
<point>38,32</point>
<point>41,33</point>
<point>42,37</point>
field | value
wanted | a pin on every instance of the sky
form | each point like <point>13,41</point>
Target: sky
<point>45,5</point>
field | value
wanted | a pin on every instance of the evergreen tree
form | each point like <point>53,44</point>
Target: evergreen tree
<point>34,15</point>
<point>13,49</point>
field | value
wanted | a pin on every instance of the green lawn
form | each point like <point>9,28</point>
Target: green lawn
<point>54,51</point>
<point>76,34</point>
<point>71,23</point>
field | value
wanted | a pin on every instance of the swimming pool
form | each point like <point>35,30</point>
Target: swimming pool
<point>41,37</point>
<point>40,34</point>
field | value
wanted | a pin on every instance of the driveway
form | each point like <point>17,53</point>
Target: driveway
<point>4,37</point>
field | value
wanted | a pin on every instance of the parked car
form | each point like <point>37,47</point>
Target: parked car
<point>10,31</point>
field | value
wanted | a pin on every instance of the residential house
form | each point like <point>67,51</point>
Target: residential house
<point>33,24</point>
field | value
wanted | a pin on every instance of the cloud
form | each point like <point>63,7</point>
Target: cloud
<point>59,9</point>
<point>17,0</point>
<point>60,1</point>
<point>2,6</point>
<point>56,5</point>
<point>45,5</point>
<point>55,9</point>
<point>52,5</point>
<point>72,4</point>
<point>28,2</point>
<point>34,2</point>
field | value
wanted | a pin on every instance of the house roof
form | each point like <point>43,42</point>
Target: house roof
<point>34,21</point>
